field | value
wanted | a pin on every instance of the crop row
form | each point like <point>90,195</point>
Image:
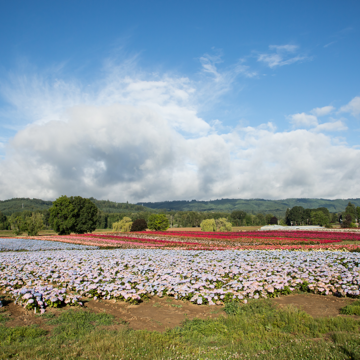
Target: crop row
<point>326,235</point>
<point>52,278</point>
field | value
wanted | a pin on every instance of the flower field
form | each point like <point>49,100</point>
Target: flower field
<point>281,240</point>
<point>38,279</point>
<point>59,270</point>
<point>36,245</point>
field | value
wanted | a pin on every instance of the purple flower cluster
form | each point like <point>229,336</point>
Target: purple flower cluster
<point>203,277</point>
<point>36,245</point>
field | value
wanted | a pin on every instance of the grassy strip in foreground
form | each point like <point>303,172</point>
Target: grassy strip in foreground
<point>256,330</point>
<point>353,309</point>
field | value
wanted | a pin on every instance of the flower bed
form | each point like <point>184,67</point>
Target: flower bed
<point>57,278</point>
<point>36,245</point>
<point>289,234</point>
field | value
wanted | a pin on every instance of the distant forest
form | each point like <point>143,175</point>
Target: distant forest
<point>191,213</point>
<point>252,206</point>
<point>8,207</point>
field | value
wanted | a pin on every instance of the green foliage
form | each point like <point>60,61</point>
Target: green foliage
<point>208,225</point>
<point>85,214</point>
<point>347,221</point>
<point>351,210</point>
<point>276,207</point>
<point>139,225</point>
<point>352,309</point>
<point>158,222</point>
<point>123,225</point>
<point>18,225</point>
<point>257,330</point>
<point>223,225</point>
<point>237,217</point>
<point>75,323</point>
<point>4,223</point>
<point>73,214</point>
<point>34,224</point>
<point>19,334</point>
<point>319,218</point>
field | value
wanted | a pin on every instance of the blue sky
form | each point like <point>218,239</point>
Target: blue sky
<point>168,100</point>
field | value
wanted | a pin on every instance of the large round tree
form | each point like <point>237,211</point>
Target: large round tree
<point>73,214</point>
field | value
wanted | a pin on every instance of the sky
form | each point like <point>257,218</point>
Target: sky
<point>178,100</point>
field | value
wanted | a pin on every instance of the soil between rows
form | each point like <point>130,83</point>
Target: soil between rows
<point>160,314</point>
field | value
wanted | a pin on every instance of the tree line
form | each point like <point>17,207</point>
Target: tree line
<point>80,208</point>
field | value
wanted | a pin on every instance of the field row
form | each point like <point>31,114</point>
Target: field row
<point>53,278</point>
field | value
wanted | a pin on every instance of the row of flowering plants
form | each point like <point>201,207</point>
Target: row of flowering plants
<point>57,278</point>
<point>325,235</point>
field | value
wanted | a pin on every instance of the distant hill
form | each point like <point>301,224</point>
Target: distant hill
<point>8,207</point>
<point>276,207</point>
<point>252,205</point>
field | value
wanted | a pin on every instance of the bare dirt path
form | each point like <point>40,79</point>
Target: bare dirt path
<point>165,313</point>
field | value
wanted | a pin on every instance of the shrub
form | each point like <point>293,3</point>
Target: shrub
<point>208,225</point>
<point>18,225</point>
<point>274,220</point>
<point>158,222</point>
<point>223,225</point>
<point>139,225</point>
<point>123,225</point>
<point>34,224</point>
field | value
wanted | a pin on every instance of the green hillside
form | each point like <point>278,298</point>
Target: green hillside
<point>252,205</point>
<point>8,207</point>
<point>277,207</point>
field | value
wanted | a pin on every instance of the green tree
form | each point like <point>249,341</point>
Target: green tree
<point>4,223</point>
<point>86,215</point>
<point>296,216</point>
<point>351,210</point>
<point>347,221</point>
<point>268,217</point>
<point>123,225</point>
<point>358,213</point>
<point>237,217</point>
<point>208,225</point>
<point>17,224</point>
<point>73,214</point>
<point>319,218</point>
<point>158,222</point>
<point>34,224</point>
<point>223,225</point>
<point>261,219</point>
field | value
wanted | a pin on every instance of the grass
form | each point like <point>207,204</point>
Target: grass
<point>352,309</point>
<point>253,331</point>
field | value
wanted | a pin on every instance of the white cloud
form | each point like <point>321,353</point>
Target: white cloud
<point>323,110</point>
<point>303,120</point>
<point>353,107</point>
<point>331,126</point>
<point>140,138</point>
<point>282,56</point>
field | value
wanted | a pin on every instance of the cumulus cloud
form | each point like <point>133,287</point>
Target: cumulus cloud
<point>338,125</point>
<point>326,110</point>
<point>303,120</point>
<point>281,55</point>
<point>353,107</point>
<point>140,138</point>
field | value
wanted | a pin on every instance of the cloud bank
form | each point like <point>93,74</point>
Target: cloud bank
<point>138,137</point>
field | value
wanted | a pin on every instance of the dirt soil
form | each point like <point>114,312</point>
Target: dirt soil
<point>315,305</point>
<point>161,314</point>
